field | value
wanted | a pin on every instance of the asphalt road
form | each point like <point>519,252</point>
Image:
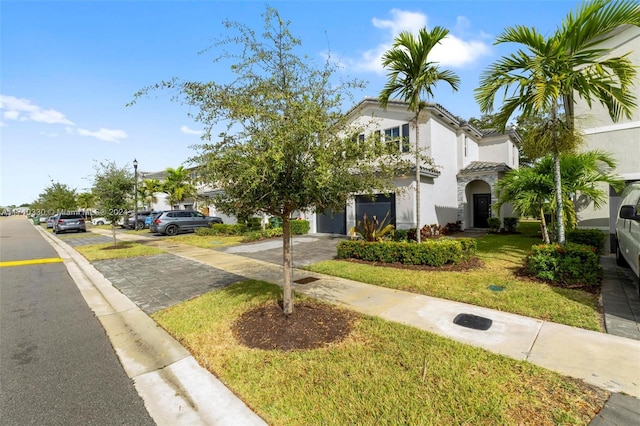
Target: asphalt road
<point>57,366</point>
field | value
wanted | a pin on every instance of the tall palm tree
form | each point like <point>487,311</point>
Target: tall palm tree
<point>178,185</point>
<point>147,191</point>
<point>412,74</point>
<point>546,75</point>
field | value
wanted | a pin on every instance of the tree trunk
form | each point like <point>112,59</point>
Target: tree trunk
<point>557,178</point>
<point>113,231</point>
<point>417,179</point>
<point>287,292</point>
<point>543,227</point>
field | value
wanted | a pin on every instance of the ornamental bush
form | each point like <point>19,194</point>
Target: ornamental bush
<point>430,252</point>
<point>262,235</point>
<point>591,237</point>
<point>511,223</point>
<point>494,223</point>
<point>300,227</point>
<point>570,263</point>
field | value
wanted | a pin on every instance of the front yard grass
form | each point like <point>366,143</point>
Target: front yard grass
<point>502,255</point>
<point>208,241</point>
<point>123,249</point>
<point>383,373</point>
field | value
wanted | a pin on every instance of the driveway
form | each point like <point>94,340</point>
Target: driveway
<point>306,249</point>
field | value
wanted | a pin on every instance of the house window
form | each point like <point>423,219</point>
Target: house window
<point>466,146</point>
<point>405,138</point>
<point>397,139</point>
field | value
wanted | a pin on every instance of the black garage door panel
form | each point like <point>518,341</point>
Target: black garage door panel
<point>332,223</point>
<point>379,207</point>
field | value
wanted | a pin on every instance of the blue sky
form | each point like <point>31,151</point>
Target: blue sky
<point>68,69</point>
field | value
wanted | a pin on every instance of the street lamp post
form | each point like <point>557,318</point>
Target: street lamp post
<point>135,194</point>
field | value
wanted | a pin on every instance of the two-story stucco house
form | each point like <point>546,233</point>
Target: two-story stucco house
<point>462,188</point>
<point>621,139</point>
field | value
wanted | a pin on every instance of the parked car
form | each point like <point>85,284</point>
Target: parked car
<point>628,231</point>
<point>173,222</point>
<point>50,221</point>
<point>130,223</point>
<point>64,222</point>
<point>100,221</point>
<point>149,220</point>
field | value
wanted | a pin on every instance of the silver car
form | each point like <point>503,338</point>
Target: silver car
<point>63,222</point>
<point>173,222</point>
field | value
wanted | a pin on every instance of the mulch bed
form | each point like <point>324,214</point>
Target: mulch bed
<point>311,325</point>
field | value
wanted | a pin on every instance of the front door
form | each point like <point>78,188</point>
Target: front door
<point>481,212</point>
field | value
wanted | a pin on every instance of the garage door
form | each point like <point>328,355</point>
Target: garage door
<point>378,207</point>
<point>332,222</point>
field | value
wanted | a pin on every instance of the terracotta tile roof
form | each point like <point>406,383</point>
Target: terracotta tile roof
<point>485,166</point>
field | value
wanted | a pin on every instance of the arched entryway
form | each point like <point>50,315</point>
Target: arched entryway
<point>478,195</point>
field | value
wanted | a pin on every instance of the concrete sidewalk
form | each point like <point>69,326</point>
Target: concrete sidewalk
<point>607,361</point>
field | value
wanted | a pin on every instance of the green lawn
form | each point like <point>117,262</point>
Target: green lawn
<point>123,249</point>
<point>502,255</point>
<point>383,373</point>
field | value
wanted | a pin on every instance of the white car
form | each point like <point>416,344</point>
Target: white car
<point>628,230</point>
<point>100,221</point>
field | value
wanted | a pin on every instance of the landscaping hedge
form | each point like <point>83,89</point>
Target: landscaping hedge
<point>430,252</point>
<point>570,263</point>
<point>591,237</point>
<point>300,227</point>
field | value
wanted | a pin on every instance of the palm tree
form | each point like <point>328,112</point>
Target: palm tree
<point>528,192</point>
<point>412,74</point>
<point>531,190</point>
<point>177,185</point>
<point>547,75</point>
<point>147,191</point>
<point>86,201</point>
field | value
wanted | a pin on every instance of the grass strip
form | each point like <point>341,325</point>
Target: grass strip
<point>123,249</point>
<point>383,373</point>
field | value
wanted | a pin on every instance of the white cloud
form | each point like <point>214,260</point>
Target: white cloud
<point>23,110</point>
<point>453,51</point>
<point>188,131</point>
<point>105,134</point>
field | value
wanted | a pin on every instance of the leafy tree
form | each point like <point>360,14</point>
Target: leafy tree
<point>288,146</point>
<point>113,187</point>
<point>56,198</point>
<point>412,74</point>
<point>178,185</point>
<point>548,73</point>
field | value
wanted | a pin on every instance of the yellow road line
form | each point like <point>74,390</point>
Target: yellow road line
<point>30,262</point>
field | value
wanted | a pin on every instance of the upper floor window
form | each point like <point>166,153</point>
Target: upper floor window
<point>398,139</point>
<point>466,146</point>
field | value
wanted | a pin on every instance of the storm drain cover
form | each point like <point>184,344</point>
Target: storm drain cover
<point>472,321</point>
<point>306,280</point>
<point>495,287</point>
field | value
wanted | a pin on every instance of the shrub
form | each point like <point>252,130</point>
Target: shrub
<point>373,229</point>
<point>570,263</point>
<point>223,229</point>
<point>591,237</point>
<point>262,235</point>
<point>430,252</point>
<point>494,223</point>
<point>300,227</point>
<point>402,235</point>
<point>511,223</point>
<point>205,231</point>
<point>431,231</point>
<point>452,228</point>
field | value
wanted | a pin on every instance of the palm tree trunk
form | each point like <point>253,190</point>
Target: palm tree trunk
<point>543,227</point>
<point>287,296</point>
<point>557,179</point>
<point>417,178</point>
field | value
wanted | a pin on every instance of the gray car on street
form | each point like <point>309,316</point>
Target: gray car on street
<point>173,222</point>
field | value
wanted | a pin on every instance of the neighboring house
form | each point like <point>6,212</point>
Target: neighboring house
<point>621,139</point>
<point>462,188</point>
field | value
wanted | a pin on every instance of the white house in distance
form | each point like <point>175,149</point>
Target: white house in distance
<point>621,139</point>
<point>463,188</point>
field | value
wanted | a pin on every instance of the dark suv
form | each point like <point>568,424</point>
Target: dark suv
<point>172,222</point>
<point>129,223</point>
<point>63,222</point>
